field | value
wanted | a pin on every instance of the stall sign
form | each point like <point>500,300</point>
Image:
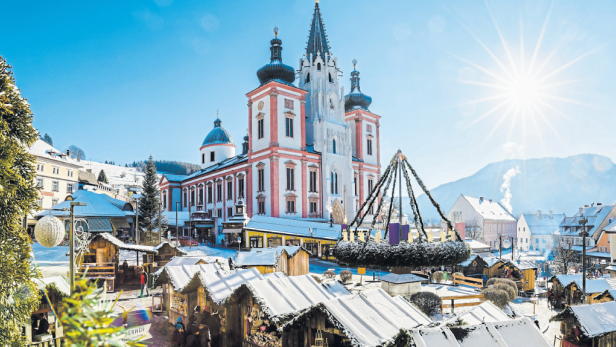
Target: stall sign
<point>139,333</point>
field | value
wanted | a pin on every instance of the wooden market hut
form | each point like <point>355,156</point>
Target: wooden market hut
<point>369,318</point>
<point>521,272</point>
<point>588,325</point>
<point>165,252</point>
<point>290,260</point>
<point>559,282</point>
<point>493,268</point>
<point>607,296</point>
<point>407,284</point>
<point>474,266</point>
<point>102,260</point>
<point>56,289</point>
<point>573,291</point>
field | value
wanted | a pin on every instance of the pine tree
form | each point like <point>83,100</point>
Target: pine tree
<point>102,177</point>
<point>148,204</point>
<point>18,193</point>
<point>47,139</point>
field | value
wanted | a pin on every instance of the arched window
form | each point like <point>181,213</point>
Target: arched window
<point>331,184</point>
<point>319,66</point>
<point>336,185</point>
<point>308,78</point>
<point>330,78</point>
<point>334,146</point>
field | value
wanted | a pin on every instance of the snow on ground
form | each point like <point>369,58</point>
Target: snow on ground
<point>114,173</point>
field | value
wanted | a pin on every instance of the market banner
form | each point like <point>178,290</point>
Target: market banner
<point>139,333</point>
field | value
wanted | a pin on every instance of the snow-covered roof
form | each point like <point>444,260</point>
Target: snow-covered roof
<point>490,210</point>
<point>223,164</point>
<point>295,227</point>
<point>97,206</point>
<point>594,286</point>
<point>122,245</point>
<point>42,149</point>
<point>279,297</point>
<point>520,264</point>
<point>594,320</point>
<point>160,245</point>
<point>58,281</point>
<point>434,337</point>
<point>399,279</point>
<point>258,257</point>
<point>183,216</point>
<point>612,282</point>
<point>543,224</point>
<point>476,246</point>
<point>515,333</point>
<point>565,280</point>
<point>595,216</point>
<point>372,317</point>
<point>180,261</point>
<point>486,312</point>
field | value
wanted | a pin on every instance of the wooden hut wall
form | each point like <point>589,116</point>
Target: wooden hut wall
<point>608,340</point>
<point>529,279</point>
<point>303,334</point>
<point>282,265</point>
<point>476,267</point>
<point>103,251</point>
<point>493,271</point>
<point>298,265</point>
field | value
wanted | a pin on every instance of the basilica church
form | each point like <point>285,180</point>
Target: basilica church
<point>311,152</point>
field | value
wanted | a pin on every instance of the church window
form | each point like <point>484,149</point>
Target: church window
<point>219,215</point>
<point>355,184</point>
<point>313,207</point>
<point>288,104</point>
<point>219,192</point>
<point>290,206</point>
<point>289,128</point>
<point>185,199</point>
<point>240,187</point>
<point>369,128</point>
<point>164,199</point>
<point>290,179</point>
<point>261,206</point>
<point>336,185</point>
<point>212,155</point>
<point>209,195</point>
<point>331,183</point>
<point>260,128</point>
<point>229,212</point>
<point>369,147</point>
<point>307,78</point>
<point>330,78</point>
<point>334,146</point>
<point>313,181</point>
<point>261,180</point>
<point>192,197</point>
<point>201,195</point>
<point>202,158</point>
<point>370,186</point>
<point>229,190</point>
<point>319,66</point>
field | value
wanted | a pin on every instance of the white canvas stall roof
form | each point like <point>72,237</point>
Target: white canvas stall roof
<point>258,257</point>
<point>373,317</point>
<point>282,296</point>
<point>486,312</point>
<point>122,245</point>
<point>434,337</point>
<point>595,319</point>
<point>58,281</point>
<point>294,227</point>
<point>180,261</point>
<point>514,333</point>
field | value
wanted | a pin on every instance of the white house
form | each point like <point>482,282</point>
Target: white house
<point>535,230</point>
<point>489,218</point>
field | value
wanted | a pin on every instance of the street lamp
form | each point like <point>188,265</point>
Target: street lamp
<point>583,233</point>
<point>71,241</point>
<point>177,237</point>
<point>137,220</point>
<point>160,216</point>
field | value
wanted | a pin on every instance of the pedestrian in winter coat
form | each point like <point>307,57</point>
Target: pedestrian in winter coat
<point>178,337</point>
<point>204,335</point>
<point>144,282</point>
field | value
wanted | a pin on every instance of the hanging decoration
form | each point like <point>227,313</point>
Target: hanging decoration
<point>402,253</point>
<point>49,231</point>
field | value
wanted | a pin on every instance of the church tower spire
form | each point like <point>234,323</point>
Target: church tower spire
<point>317,40</point>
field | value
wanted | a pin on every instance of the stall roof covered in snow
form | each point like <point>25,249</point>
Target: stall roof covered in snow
<point>160,245</point>
<point>258,257</point>
<point>399,279</point>
<point>58,281</point>
<point>434,337</point>
<point>294,227</point>
<point>486,312</point>
<point>593,286</point>
<point>281,296</point>
<point>520,264</point>
<point>565,280</point>
<point>595,320</point>
<point>180,261</point>
<point>122,245</point>
<point>372,317</point>
<point>477,246</point>
<point>516,333</point>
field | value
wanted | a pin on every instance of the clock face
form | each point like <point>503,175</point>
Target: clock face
<point>260,106</point>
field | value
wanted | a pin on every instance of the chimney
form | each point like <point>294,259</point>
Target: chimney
<point>592,204</point>
<point>539,214</point>
<point>88,170</point>
<point>490,200</point>
<point>599,204</point>
<point>480,199</point>
<point>550,214</point>
<point>586,206</point>
<point>68,153</point>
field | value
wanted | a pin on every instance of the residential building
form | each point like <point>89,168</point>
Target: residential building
<point>535,230</point>
<point>599,216</point>
<point>311,152</point>
<point>56,174</point>
<point>490,219</point>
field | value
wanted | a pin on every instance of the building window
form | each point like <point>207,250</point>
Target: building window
<point>219,213</point>
<point>229,190</point>
<point>261,175</point>
<point>536,240</point>
<point>39,201</point>
<point>370,186</point>
<point>54,202</point>
<point>369,128</point>
<point>319,66</point>
<point>369,147</point>
<point>288,104</point>
<point>192,197</point>
<point>212,156</point>
<point>313,207</point>
<point>69,188</point>
<point>39,182</point>
<point>260,129</point>
<point>200,195</point>
<point>209,194</point>
<point>40,167</point>
<point>290,179</point>
<point>219,192</point>
<point>330,78</point>
<point>185,199</point>
<point>202,158</point>
<point>290,206</point>
<point>313,182</point>
<point>355,184</point>
<point>164,200</point>
<point>289,127</point>
<point>256,242</point>
<point>334,146</point>
<point>261,205</point>
<point>56,170</point>
<point>240,187</point>
<point>229,212</point>
<point>307,78</point>
<point>55,186</point>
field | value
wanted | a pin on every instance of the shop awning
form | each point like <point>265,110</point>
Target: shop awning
<point>231,231</point>
<point>203,225</point>
<point>120,223</point>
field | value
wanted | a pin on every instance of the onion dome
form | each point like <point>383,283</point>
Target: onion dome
<point>218,135</point>
<point>276,70</point>
<point>356,99</point>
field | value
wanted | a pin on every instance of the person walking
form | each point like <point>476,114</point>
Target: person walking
<point>204,335</point>
<point>144,282</point>
<point>177,339</point>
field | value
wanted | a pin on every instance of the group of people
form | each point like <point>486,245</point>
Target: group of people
<point>203,330</point>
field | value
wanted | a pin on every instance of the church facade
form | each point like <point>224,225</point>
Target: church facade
<point>311,151</point>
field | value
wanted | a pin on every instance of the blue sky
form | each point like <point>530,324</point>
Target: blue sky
<point>123,79</point>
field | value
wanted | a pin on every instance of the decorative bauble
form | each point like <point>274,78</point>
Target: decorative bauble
<point>49,231</point>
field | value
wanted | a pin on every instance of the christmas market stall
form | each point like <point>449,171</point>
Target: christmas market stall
<point>369,318</point>
<point>44,329</point>
<point>291,260</point>
<point>607,296</point>
<point>593,288</point>
<point>474,266</point>
<point>558,295</point>
<point>266,304</point>
<point>165,252</point>
<point>588,325</point>
<point>522,272</point>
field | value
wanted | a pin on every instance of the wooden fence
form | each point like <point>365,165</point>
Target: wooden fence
<point>468,281</point>
<point>463,304</point>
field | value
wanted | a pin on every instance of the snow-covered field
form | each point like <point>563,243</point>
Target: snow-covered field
<point>116,175</point>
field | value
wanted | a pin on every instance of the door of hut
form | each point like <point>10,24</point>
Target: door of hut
<point>100,255</point>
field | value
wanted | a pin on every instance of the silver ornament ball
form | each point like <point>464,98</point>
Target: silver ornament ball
<point>49,231</point>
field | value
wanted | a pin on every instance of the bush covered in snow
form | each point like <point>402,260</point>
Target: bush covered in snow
<point>405,254</point>
<point>498,297</point>
<point>513,294</point>
<point>345,275</point>
<point>437,276</point>
<point>456,274</point>
<point>329,274</point>
<point>428,302</point>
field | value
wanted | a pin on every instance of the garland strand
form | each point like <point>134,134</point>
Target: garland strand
<point>372,198</point>
<point>391,202</point>
<point>418,220</point>
<point>378,210</point>
<point>438,207</point>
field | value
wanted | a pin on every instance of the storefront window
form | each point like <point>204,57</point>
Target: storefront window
<point>178,303</point>
<point>256,242</point>
<point>274,242</point>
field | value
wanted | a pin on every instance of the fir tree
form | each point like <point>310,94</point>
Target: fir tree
<point>148,204</point>
<point>47,139</point>
<point>19,296</point>
<point>102,177</point>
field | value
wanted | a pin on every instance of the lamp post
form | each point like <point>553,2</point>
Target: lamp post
<point>160,216</point>
<point>71,241</point>
<point>177,237</point>
<point>583,233</point>
<point>137,220</point>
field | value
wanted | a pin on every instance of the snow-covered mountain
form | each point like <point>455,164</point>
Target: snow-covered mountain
<point>559,184</point>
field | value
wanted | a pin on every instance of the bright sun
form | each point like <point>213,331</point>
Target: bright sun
<point>523,91</point>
